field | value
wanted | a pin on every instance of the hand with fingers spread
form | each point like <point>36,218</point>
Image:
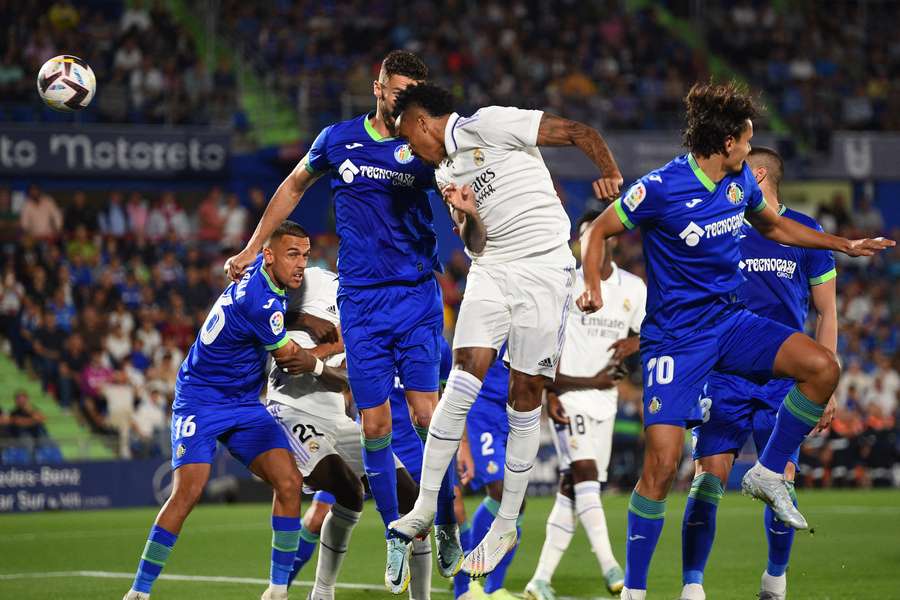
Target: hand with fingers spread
<point>460,198</point>
<point>624,348</point>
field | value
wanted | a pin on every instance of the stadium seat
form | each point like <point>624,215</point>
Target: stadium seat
<point>16,455</point>
<point>48,454</point>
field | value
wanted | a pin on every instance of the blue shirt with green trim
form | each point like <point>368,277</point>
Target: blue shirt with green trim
<point>691,231</point>
<point>382,213</point>
<point>226,363</point>
<point>780,278</point>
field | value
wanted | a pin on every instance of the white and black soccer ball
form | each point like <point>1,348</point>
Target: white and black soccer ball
<point>66,83</point>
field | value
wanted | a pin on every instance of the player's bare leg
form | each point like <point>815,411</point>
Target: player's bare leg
<point>446,530</point>
<point>278,469</point>
<point>647,508</point>
<point>524,414</point>
<point>816,372</point>
<point>444,434</point>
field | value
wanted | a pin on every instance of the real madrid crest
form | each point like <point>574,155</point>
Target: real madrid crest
<point>734,192</point>
<point>478,156</point>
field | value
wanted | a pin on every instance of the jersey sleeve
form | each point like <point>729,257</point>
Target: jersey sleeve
<point>504,127</point>
<point>266,320</point>
<point>320,294</point>
<point>820,264</point>
<point>640,306</point>
<point>642,203</point>
<point>317,157</point>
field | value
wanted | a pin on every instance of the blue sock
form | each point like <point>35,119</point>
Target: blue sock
<point>496,578</point>
<point>482,519</point>
<point>797,416</point>
<point>698,530</point>
<point>445,514</point>
<point>285,540</point>
<point>324,497</point>
<point>645,523</point>
<point>781,538</point>
<point>378,460</point>
<point>153,559</point>
<point>461,580</point>
<point>308,543</point>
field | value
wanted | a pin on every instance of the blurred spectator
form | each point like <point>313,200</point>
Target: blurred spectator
<point>114,217</point>
<point>137,214</point>
<point>40,217</point>
<point>79,213</point>
<point>26,421</point>
<point>234,223</point>
<point>148,425</point>
<point>867,216</point>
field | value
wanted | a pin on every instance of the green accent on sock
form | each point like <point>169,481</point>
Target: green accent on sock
<point>377,443</point>
<point>286,541</point>
<point>156,553</point>
<point>491,505</point>
<point>465,527</point>
<point>647,508</point>
<point>802,407</point>
<point>308,536</point>
<point>422,431</point>
<point>707,487</point>
<point>792,492</point>
<point>520,520</point>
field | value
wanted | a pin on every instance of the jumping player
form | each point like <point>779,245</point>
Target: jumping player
<point>781,281</point>
<point>690,213</point>
<point>390,303</point>
<point>217,399</point>
<point>516,231</point>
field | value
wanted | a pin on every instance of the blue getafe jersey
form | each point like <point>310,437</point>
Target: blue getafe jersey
<point>495,388</point>
<point>382,212</point>
<point>779,277</point>
<point>226,363</point>
<point>691,234</point>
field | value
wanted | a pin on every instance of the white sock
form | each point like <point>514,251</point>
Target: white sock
<point>420,570</point>
<point>628,594</point>
<point>444,433</point>
<point>590,513</point>
<point>333,542</point>
<point>560,529</point>
<point>521,450</point>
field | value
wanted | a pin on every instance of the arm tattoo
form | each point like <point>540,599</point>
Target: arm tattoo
<point>556,131</point>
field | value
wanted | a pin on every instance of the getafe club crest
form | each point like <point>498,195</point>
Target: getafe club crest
<point>402,154</point>
<point>655,405</point>
<point>734,193</point>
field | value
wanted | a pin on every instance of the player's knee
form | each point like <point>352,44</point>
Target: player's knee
<point>584,470</point>
<point>495,490</point>
<point>822,365</point>
<point>526,390</point>
<point>350,494</point>
<point>287,486</point>
<point>376,422</point>
<point>567,486</point>
<point>422,416</point>
<point>659,473</point>
<point>474,361</point>
<point>312,521</point>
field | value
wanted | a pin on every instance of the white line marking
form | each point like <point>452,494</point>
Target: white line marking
<point>194,578</point>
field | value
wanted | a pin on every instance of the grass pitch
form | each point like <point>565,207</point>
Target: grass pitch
<point>224,552</point>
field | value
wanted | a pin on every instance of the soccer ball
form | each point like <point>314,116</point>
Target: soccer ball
<point>66,83</point>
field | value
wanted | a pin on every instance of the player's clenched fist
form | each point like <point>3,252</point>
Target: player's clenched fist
<point>607,188</point>
<point>460,198</point>
<point>589,301</point>
<point>237,264</point>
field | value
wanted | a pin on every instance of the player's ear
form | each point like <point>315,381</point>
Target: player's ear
<point>268,256</point>
<point>760,173</point>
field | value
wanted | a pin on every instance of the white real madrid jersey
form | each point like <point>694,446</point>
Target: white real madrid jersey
<point>318,297</point>
<point>589,336</point>
<point>495,152</point>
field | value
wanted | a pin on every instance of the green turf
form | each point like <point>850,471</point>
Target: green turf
<point>853,554</point>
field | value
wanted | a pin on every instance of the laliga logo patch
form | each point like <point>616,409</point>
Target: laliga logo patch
<point>276,322</point>
<point>635,196</point>
<point>402,154</point>
<point>478,157</point>
<point>655,405</point>
<point>734,193</point>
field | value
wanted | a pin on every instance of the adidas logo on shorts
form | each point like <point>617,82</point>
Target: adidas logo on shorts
<point>547,362</point>
<point>332,309</point>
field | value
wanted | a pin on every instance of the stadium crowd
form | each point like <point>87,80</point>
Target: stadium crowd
<point>103,316</point>
<point>146,64</point>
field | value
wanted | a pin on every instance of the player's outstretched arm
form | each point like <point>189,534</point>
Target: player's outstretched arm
<point>788,231</point>
<point>464,212</point>
<point>593,248</point>
<point>556,131</point>
<point>293,359</point>
<point>279,208</point>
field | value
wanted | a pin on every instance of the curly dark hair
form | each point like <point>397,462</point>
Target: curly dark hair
<point>403,62</point>
<point>716,112</point>
<point>435,100</point>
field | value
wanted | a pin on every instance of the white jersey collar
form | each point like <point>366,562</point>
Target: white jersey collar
<point>449,140</point>
<point>615,278</point>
